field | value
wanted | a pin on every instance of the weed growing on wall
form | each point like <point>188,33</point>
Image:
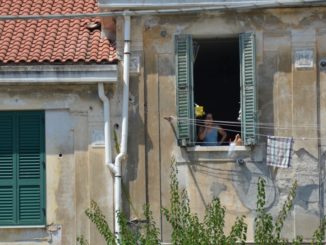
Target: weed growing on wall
<point>95,214</point>
<point>319,235</point>
<point>147,235</point>
<point>266,230</point>
<point>186,227</point>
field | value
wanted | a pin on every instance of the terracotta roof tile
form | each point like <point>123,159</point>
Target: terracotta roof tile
<point>54,40</point>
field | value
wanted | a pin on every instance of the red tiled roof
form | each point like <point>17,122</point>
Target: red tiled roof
<point>53,40</point>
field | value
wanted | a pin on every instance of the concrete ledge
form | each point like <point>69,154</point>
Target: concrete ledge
<point>222,148</point>
<point>23,227</point>
<point>58,74</point>
<point>211,154</point>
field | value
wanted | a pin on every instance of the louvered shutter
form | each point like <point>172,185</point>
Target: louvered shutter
<point>248,88</point>
<point>25,192</point>
<point>184,90</point>
<point>7,170</point>
<point>30,164</point>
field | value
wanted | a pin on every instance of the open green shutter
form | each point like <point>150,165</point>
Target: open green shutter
<point>7,170</point>
<point>22,175</point>
<point>248,88</point>
<point>184,90</point>
<point>30,172</point>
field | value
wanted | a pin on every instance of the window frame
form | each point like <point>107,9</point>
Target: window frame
<point>184,89</point>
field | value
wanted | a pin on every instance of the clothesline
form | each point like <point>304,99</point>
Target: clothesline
<point>258,125</point>
<point>258,134</point>
<point>265,135</point>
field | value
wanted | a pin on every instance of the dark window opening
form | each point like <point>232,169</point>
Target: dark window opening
<point>217,81</point>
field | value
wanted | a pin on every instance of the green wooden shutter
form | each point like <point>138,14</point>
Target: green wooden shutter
<point>248,88</point>
<point>7,170</point>
<point>26,158</point>
<point>30,164</point>
<point>184,90</point>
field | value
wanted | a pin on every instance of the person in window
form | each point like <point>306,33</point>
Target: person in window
<point>208,134</point>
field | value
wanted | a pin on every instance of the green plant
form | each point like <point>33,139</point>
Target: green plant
<point>146,235</point>
<point>186,227</point>
<point>127,236</point>
<point>96,216</point>
<point>151,233</point>
<point>266,230</point>
<point>82,241</point>
<point>319,235</point>
<point>188,230</point>
<point>116,141</point>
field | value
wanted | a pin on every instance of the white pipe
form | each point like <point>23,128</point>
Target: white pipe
<point>107,130</point>
<point>124,128</point>
<point>106,116</point>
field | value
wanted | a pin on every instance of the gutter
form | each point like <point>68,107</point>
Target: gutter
<point>162,9</point>
<point>177,6</point>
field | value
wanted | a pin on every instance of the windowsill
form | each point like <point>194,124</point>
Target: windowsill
<point>213,154</point>
<point>224,148</point>
<point>22,227</point>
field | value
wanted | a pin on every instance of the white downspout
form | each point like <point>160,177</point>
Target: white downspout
<point>124,128</point>
<point>116,167</point>
<point>107,130</point>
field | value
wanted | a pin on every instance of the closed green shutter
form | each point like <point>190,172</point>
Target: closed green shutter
<point>184,90</point>
<point>7,170</point>
<point>248,88</point>
<point>27,159</point>
<point>30,164</point>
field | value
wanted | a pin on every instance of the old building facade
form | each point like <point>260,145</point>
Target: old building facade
<point>57,76</point>
<point>281,49</point>
<point>51,157</point>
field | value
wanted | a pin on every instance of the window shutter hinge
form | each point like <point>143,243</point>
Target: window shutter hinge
<point>44,165</point>
<point>44,213</point>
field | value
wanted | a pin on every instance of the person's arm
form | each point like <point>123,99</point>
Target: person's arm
<point>202,133</point>
<point>223,134</point>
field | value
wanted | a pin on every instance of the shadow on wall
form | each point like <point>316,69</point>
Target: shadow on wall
<point>245,179</point>
<point>136,138</point>
<point>308,179</point>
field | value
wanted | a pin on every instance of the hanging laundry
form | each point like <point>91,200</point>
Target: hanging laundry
<point>279,151</point>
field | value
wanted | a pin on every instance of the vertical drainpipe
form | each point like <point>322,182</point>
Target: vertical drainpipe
<point>106,116</point>
<point>124,127</point>
<point>116,167</point>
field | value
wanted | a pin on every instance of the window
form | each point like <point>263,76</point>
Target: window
<point>22,163</point>
<point>219,74</point>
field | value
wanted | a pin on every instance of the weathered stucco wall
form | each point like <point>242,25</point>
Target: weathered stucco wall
<point>291,99</point>
<point>75,169</point>
<point>287,98</point>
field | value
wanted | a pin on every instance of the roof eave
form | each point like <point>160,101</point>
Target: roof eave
<point>208,5</point>
<point>58,74</point>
